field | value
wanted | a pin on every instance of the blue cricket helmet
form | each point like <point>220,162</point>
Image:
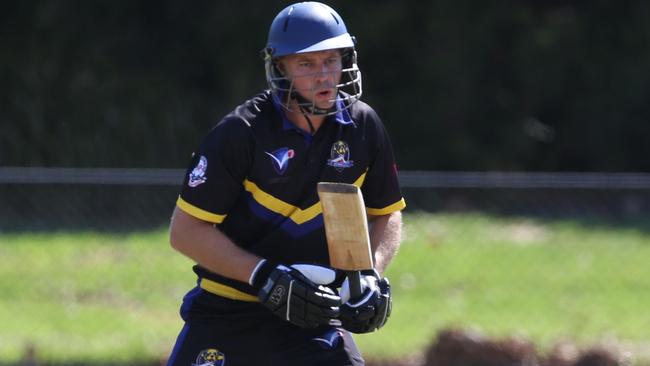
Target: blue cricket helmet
<point>307,27</point>
<point>310,27</point>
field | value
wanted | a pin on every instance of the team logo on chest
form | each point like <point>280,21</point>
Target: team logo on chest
<point>210,357</point>
<point>340,156</point>
<point>280,159</point>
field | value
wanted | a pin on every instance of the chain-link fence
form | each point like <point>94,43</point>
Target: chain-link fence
<point>123,199</point>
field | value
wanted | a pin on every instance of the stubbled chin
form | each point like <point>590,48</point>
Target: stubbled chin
<point>324,104</point>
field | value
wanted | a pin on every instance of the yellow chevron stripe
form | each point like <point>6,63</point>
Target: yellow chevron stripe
<point>226,291</point>
<point>199,213</point>
<point>397,206</point>
<point>296,214</point>
<point>361,179</point>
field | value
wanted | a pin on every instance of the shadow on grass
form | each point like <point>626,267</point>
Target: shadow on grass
<point>459,347</point>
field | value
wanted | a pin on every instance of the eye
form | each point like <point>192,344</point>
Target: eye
<point>333,60</point>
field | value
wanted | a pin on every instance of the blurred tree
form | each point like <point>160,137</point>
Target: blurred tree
<point>526,85</point>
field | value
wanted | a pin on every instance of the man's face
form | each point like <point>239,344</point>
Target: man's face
<point>314,75</point>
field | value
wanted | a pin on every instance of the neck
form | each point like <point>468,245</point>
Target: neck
<point>302,120</point>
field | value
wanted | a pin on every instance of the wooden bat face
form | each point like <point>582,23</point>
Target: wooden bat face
<point>346,226</point>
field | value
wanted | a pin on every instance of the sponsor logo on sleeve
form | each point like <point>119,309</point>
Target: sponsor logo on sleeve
<point>197,176</point>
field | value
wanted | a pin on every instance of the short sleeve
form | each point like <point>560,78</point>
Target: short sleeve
<point>381,190</point>
<point>214,179</point>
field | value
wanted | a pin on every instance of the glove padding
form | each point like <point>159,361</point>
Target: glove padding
<point>290,295</point>
<point>372,310</point>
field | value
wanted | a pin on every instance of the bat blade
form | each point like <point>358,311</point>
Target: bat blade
<point>346,228</point>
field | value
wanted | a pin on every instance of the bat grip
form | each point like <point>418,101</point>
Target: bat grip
<point>354,279</point>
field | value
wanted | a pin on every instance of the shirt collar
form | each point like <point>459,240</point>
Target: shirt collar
<point>342,116</point>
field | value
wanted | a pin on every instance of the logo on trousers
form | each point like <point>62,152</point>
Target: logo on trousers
<point>210,357</point>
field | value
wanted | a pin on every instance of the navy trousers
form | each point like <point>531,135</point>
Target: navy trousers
<point>224,332</point>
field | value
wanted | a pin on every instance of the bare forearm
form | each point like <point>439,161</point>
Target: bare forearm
<point>209,247</point>
<point>385,238</point>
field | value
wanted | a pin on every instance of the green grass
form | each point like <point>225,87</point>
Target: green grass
<point>100,297</point>
<point>90,297</point>
<point>544,281</point>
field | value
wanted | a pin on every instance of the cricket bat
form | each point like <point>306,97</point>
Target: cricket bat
<point>346,229</point>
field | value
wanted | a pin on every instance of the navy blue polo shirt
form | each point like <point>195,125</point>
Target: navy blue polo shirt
<point>254,176</point>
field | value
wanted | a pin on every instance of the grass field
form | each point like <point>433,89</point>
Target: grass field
<point>91,297</point>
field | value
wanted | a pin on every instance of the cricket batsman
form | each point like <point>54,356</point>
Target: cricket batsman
<point>249,215</point>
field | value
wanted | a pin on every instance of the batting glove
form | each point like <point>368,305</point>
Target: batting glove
<point>292,296</point>
<point>371,311</point>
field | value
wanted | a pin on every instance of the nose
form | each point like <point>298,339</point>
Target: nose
<point>326,73</point>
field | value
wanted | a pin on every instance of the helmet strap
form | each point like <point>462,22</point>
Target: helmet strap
<point>307,106</point>
<point>312,130</point>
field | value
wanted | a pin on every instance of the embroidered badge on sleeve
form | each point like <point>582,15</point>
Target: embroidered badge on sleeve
<point>197,176</point>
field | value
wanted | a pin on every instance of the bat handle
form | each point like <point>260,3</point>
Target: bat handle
<point>354,279</point>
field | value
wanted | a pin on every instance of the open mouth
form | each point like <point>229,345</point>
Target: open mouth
<point>327,93</point>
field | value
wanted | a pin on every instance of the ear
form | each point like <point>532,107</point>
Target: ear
<point>280,66</point>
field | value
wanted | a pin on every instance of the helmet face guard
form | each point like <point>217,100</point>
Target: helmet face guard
<point>284,89</point>
<point>311,27</point>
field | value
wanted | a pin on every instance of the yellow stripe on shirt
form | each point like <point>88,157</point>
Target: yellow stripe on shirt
<point>199,213</point>
<point>361,179</point>
<point>296,214</point>
<point>397,206</point>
